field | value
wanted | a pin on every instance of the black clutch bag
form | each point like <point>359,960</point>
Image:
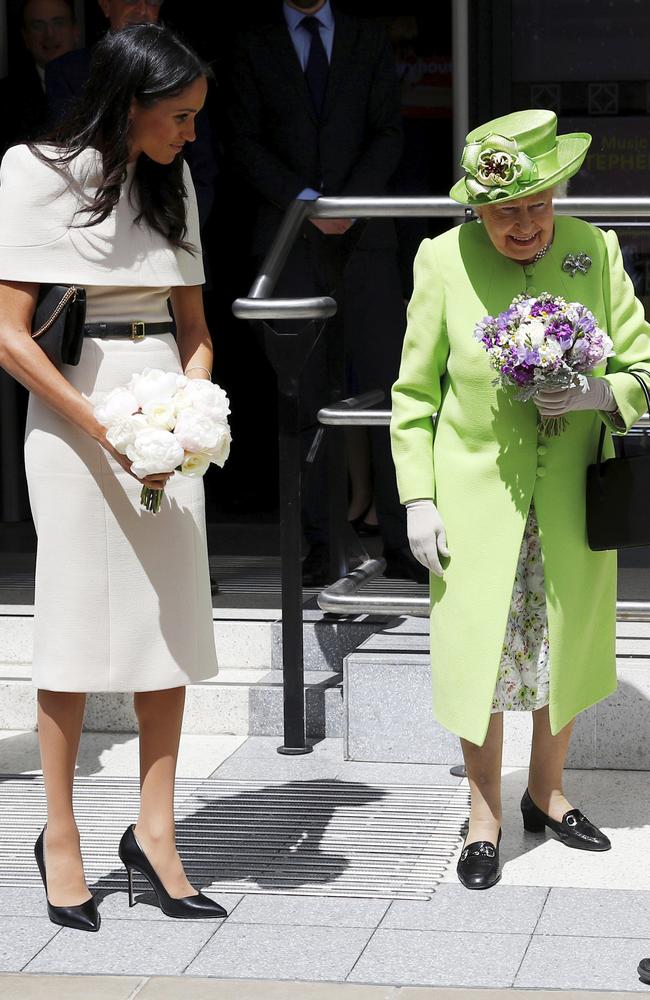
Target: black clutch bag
<point>618,491</point>
<point>58,323</point>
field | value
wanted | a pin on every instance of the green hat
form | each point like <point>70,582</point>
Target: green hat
<point>516,156</point>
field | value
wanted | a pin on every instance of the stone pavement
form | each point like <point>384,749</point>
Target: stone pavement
<point>560,920</point>
<point>173,988</point>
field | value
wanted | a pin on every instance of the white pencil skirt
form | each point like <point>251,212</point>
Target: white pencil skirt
<point>123,597</point>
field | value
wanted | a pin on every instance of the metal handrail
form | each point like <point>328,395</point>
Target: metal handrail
<point>259,304</point>
<point>394,207</point>
<point>340,415</point>
<point>342,598</point>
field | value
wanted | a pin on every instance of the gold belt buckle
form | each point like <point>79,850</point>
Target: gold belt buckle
<point>137,329</point>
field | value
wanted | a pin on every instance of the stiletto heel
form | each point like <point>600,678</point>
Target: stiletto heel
<point>129,875</point>
<point>574,829</point>
<point>188,907</point>
<point>84,917</point>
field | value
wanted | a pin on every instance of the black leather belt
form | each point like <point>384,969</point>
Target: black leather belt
<point>137,330</point>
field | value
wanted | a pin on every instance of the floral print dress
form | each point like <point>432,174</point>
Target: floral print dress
<point>522,682</point>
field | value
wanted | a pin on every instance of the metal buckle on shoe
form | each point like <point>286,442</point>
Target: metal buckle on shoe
<point>137,329</point>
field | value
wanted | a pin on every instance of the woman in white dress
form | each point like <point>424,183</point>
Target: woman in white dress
<point>122,596</point>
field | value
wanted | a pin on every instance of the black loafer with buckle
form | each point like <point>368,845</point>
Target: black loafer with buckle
<point>478,865</point>
<point>644,971</point>
<point>574,830</point>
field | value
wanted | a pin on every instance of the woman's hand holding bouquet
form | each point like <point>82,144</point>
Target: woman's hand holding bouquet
<point>544,346</point>
<point>163,422</point>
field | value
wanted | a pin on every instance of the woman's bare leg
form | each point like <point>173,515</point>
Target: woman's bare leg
<point>160,716</point>
<point>547,757</point>
<point>483,766</point>
<point>60,718</point>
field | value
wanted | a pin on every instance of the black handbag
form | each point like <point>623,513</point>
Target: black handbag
<point>58,323</point>
<point>618,491</point>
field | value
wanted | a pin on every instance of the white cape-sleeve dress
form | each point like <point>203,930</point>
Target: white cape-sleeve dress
<point>123,598</point>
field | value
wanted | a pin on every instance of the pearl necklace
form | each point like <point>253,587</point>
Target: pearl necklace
<point>541,253</point>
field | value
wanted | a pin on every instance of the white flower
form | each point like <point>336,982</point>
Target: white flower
<point>161,413</point>
<point>154,450</point>
<point>550,350</point>
<point>155,384</point>
<point>535,330</point>
<point>116,404</point>
<point>123,431</point>
<point>221,451</point>
<point>199,432</point>
<point>195,465</point>
<point>205,396</point>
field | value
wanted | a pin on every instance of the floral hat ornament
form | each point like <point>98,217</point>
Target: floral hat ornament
<point>516,156</point>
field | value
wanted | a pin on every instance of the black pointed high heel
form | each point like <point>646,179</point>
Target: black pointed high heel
<point>189,907</point>
<point>84,917</point>
<point>574,830</point>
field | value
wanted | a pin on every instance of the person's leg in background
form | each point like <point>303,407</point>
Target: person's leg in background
<point>375,322</point>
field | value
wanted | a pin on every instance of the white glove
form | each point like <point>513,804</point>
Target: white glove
<point>597,396</point>
<point>426,534</point>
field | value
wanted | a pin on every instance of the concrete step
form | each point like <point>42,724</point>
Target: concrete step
<point>239,702</point>
<point>327,639</point>
<point>246,696</point>
<point>244,638</point>
<point>389,707</point>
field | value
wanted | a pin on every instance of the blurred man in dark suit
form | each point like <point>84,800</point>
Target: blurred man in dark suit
<point>49,30</point>
<point>314,109</point>
<point>65,77</point>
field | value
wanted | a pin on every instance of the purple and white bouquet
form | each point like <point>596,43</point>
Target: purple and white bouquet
<point>543,343</point>
<point>166,422</point>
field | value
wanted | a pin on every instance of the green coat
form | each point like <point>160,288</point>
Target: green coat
<point>486,462</point>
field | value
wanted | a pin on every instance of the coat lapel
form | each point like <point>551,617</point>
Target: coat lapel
<point>281,44</point>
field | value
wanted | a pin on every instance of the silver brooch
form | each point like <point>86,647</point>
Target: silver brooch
<point>574,262</point>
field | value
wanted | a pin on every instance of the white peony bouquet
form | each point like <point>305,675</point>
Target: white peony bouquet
<point>166,422</point>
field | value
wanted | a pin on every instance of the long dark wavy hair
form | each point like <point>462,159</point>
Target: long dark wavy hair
<point>147,62</point>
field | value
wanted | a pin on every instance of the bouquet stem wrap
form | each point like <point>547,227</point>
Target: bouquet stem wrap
<point>551,426</point>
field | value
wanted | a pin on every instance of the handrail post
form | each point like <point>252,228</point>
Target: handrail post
<point>293,668</point>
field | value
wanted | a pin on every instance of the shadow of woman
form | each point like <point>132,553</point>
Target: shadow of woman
<point>20,755</point>
<point>267,837</point>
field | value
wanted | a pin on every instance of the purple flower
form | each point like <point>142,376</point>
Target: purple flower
<point>563,331</point>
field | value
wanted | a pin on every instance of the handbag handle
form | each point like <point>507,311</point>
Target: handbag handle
<point>68,296</point>
<point>646,392</point>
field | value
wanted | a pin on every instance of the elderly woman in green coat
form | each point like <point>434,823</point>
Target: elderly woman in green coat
<point>523,612</point>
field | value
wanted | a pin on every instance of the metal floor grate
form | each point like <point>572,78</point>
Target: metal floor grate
<point>323,838</point>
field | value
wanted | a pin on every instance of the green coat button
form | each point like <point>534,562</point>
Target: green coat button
<point>542,449</point>
<point>540,473</point>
